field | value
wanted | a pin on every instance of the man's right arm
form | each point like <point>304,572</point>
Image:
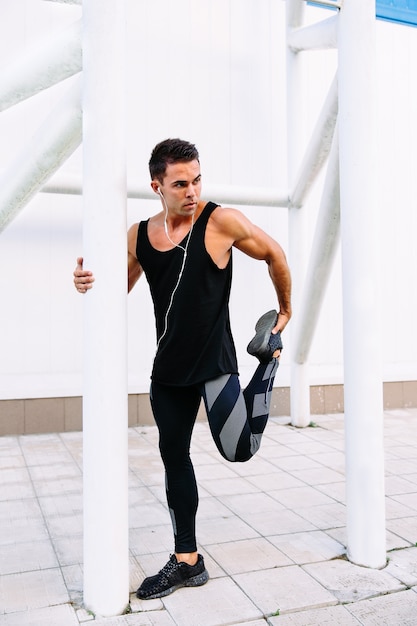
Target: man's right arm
<point>84,279</point>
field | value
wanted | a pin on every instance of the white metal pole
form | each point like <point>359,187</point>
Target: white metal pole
<point>361,296</point>
<point>325,243</point>
<point>298,235</point>
<point>318,148</point>
<point>106,560</point>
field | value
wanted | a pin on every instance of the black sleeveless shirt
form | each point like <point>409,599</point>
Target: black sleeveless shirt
<point>195,343</point>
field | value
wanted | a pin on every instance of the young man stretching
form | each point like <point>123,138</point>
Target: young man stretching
<point>185,251</point>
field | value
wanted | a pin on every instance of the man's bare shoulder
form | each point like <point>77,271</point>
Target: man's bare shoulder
<point>231,221</point>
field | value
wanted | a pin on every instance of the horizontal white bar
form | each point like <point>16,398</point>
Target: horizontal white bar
<point>249,196</point>
<point>318,36</point>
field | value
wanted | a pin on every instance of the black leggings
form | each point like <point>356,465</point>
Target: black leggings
<point>237,420</point>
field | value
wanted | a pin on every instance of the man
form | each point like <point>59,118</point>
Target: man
<point>185,251</point>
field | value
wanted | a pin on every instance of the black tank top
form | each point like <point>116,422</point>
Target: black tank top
<point>198,343</point>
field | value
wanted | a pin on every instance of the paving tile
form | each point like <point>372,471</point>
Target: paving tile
<point>228,486</point>
<point>335,490</point>
<point>143,515</point>
<point>394,542</point>
<point>258,622</point>
<point>320,476</point>
<point>324,516</point>
<point>152,618</point>
<point>395,509</point>
<point>308,547</point>
<point>247,555</point>
<point>283,589</point>
<point>326,616</point>
<point>58,486</point>
<point>151,540</point>
<point>16,491</point>
<point>24,509</point>
<point>32,590</point>
<point>305,496</point>
<point>73,578</point>
<point>403,565</point>
<point>210,508</point>
<point>333,460</point>
<point>405,527</point>
<point>396,609</point>
<point>218,471</point>
<point>244,504</point>
<point>310,447</point>
<point>69,549</point>
<point>349,582</point>
<point>223,529</point>
<point>275,480</point>
<point>25,557</point>
<point>395,485</point>
<point>12,460</point>
<point>282,521</point>
<point>22,530</point>
<point>218,602</point>
<point>297,463</point>
<point>62,615</point>
<point>65,525</point>
<point>61,505</point>
<point>255,466</point>
<point>407,499</point>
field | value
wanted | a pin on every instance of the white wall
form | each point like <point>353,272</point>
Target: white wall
<point>212,72</point>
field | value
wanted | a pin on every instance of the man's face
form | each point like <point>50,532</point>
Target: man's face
<point>181,187</point>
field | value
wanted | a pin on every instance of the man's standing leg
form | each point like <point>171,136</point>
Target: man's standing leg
<point>175,410</point>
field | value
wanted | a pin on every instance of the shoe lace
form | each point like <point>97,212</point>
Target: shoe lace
<point>169,567</point>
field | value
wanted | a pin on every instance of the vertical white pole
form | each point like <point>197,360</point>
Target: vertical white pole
<point>361,297</point>
<point>298,236</point>
<point>106,561</point>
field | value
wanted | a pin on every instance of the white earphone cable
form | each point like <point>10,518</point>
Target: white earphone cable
<point>184,249</point>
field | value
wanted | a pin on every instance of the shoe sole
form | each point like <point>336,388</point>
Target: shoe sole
<point>195,581</point>
<point>259,344</point>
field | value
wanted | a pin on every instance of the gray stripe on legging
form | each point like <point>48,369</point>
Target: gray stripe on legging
<point>214,388</point>
<point>232,429</point>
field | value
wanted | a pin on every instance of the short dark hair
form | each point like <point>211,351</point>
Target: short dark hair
<point>170,151</point>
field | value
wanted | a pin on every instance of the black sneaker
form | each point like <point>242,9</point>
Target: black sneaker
<point>264,344</point>
<point>173,576</point>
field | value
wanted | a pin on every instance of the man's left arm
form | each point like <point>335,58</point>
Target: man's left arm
<point>256,243</point>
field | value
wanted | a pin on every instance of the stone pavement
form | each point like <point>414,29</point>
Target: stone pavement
<point>272,532</point>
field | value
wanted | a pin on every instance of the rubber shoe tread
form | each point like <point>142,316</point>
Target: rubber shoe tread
<point>173,576</point>
<point>264,343</point>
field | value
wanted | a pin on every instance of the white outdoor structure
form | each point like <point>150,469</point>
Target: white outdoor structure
<point>354,200</point>
<point>344,133</point>
<point>106,571</point>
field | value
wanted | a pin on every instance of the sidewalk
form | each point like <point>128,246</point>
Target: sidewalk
<point>272,532</point>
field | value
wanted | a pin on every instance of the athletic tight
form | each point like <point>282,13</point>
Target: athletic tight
<point>237,420</point>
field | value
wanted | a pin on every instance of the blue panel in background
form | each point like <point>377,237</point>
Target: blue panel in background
<point>401,11</point>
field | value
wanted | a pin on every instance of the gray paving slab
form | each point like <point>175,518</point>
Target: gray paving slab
<point>326,616</point>
<point>350,583</point>
<point>272,532</point>
<point>397,609</point>
<point>284,589</point>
